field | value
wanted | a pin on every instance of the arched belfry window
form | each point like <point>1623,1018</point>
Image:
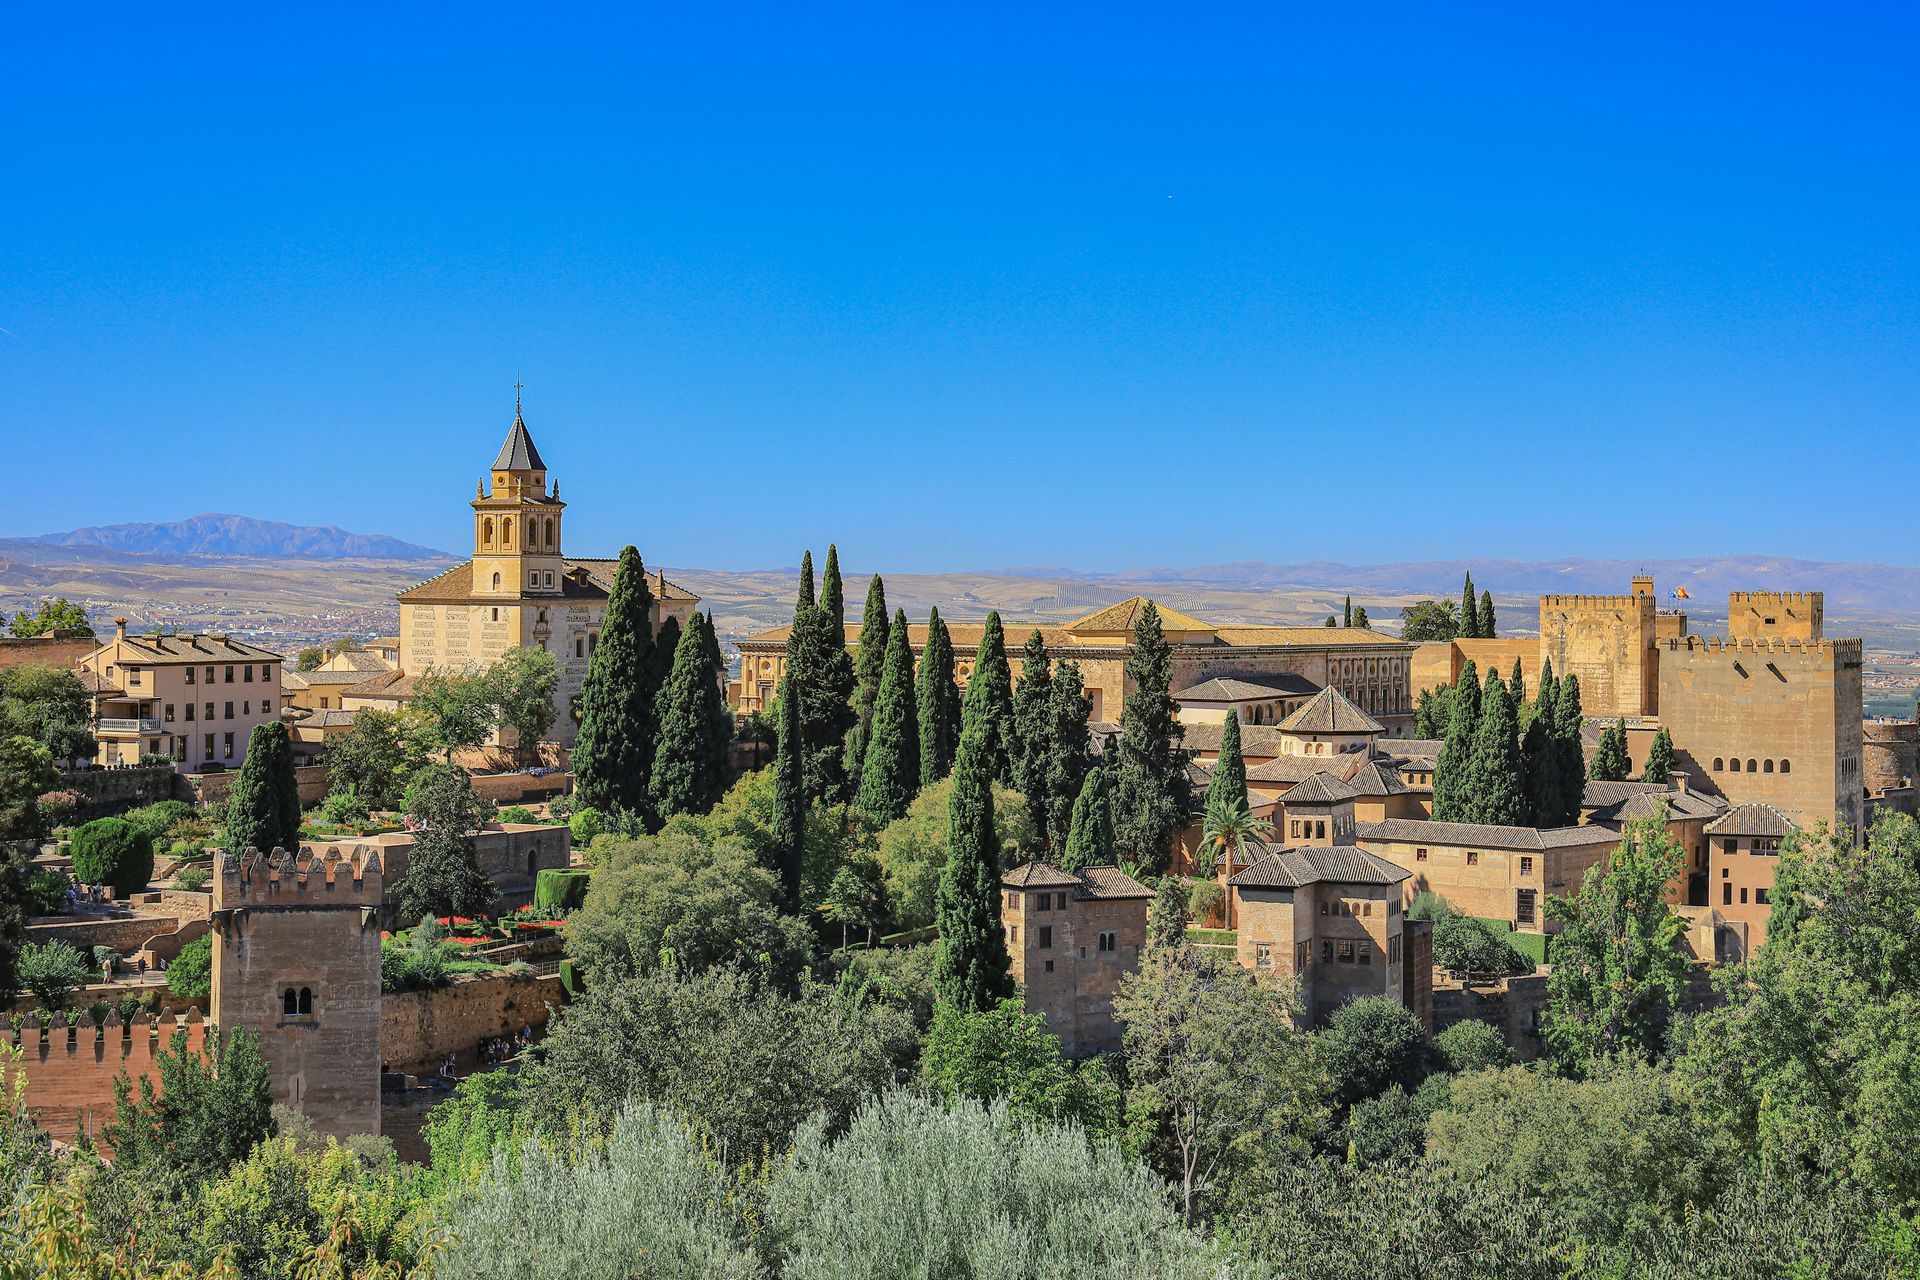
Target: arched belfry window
<point>289,1003</point>
<point>306,1000</point>
<point>553,534</point>
<point>506,532</point>
<point>496,580</point>
<point>486,532</point>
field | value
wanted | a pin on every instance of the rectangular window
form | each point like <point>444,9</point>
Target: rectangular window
<point>323,704</point>
<point>1326,951</point>
<point>1419,855</point>
<point>1526,866</point>
<point>1743,895</point>
<point>229,714</point>
<point>1523,906</point>
<point>1046,937</point>
<point>1726,895</point>
<point>189,675</point>
<point>208,753</point>
<point>1262,955</point>
<point>1393,949</point>
<point>169,713</point>
<point>1324,910</point>
<point>579,647</point>
<point>229,673</point>
<point>209,675</point>
<point>1302,955</point>
<point>1473,859</point>
<point>533,578</point>
<point>1013,934</point>
<point>189,710</point>
<point>1049,966</point>
<point>1761,895</point>
<point>228,744</point>
<point>246,708</point>
<point>549,579</point>
<point>1345,952</point>
<point>266,706</point>
<point>209,711</point>
<point>266,672</point>
<point>1366,954</point>
<point>246,674</point>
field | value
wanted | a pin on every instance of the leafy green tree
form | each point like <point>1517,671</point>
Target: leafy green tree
<point>442,878</point>
<point>869,664</point>
<point>52,971</point>
<point>938,704</point>
<point>296,1200</point>
<point>680,898</point>
<point>190,974</point>
<point>1432,711</point>
<point>1216,1060</point>
<point>26,774</point>
<point>1453,770</point>
<point>1360,619</point>
<point>690,765</point>
<point>790,797</point>
<point>1033,725</point>
<point>1090,839</point>
<point>748,814</point>
<point>1150,782</point>
<point>1039,1200</point>
<point>973,969</point>
<point>211,1108</point>
<point>378,756</point>
<point>1370,1044</point>
<point>1428,620</point>
<point>58,614</point>
<point>1469,612</point>
<point>263,809</point>
<point>891,777</point>
<point>1168,916</point>
<point>1496,789</point>
<point>309,658</point>
<point>613,752</point>
<point>523,684</point>
<point>912,850</point>
<point>1620,960</point>
<point>1006,1052</point>
<point>1483,625</point>
<point>1469,947</point>
<point>459,709</point>
<point>1471,1045</point>
<point>989,701</point>
<point>1069,752</point>
<point>1660,761</point>
<point>1610,761</point>
<point>1540,754</point>
<point>853,901</point>
<point>50,706</point>
<point>115,853</point>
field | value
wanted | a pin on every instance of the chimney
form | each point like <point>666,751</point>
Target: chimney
<point>1679,781</point>
<point>119,628</point>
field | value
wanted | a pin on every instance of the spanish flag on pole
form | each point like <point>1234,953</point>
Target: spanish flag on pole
<point>1680,593</point>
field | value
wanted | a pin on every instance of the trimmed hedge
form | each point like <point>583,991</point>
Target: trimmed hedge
<point>560,889</point>
<point>113,852</point>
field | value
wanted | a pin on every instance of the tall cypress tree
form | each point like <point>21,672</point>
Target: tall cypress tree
<point>687,778</point>
<point>829,715</point>
<point>1032,731</point>
<point>1090,839</point>
<point>1539,751</point>
<point>868,664</point>
<point>1150,782</point>
<point>1572,772</point>
<point>613,754</point>
<point>1228,786</point>
<point>263,810</point>
<point>890,775</point>
<point>1069,750</point>
<point>789,798</point>
<point>990,699</point>
<point>1610,761</point>
<point>1451,770</point>
<point>1517,685</point>
<point>1469,611</point>
<point>972,971</point>
<point>1485,621</point>
<point>1496,791</point>
<point>1660,762</point>
<point>1346,613</point>
<point>938,703</point>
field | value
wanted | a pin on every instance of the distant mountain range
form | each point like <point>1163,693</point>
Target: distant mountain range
<point>225,535</point>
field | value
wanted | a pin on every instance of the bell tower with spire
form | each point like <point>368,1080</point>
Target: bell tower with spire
<point>516,521</point>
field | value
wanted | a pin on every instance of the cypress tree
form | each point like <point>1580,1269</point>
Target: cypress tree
<point>1539,751</point>
<point>868,664</point>
<point>829,715</point>
<point>613,754</point>
<point>687,777</point>
<point>1346,615</point>
<point>1660,763</point>
<point>1228,786</point>
<point>1450,771</point>
<point>972,971</point>
<point>1069,751</point>
<point>1150,782</point>
<point>1360,618</point>
<point>1517,686</point>
<point>1090,839</point>
<point>1469,611</point>
<point>1033,730</point>
<point>990,700</point>
<point>1484,624</point>
<point>890,775</point>
<point>789,798</point>
<point>263,811</point>
<point>1572,773</point>
<point>1497,790</point>
<point>1610,762</point>
<point>938,703</point>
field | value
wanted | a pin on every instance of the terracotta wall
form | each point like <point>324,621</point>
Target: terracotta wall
<point>70,1081</point>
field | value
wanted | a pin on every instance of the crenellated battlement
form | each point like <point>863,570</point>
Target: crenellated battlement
<point>1846,650</point>
<point>1792,599</point>
<point>337,874</point>
<point>1595,602</point>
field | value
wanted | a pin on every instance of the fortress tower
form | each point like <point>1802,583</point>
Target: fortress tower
<point>296,960</point>
<point>1607,641</point>
<point>1785,615</point>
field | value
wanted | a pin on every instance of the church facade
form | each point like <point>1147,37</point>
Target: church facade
<point>520,589</point>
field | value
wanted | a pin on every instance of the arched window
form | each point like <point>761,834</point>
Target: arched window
<point>496,580</point>
<point>306,999</point>
<point>486,532</point>
<point>506,532</point>
<point>289,1003</point>
<point>1750,768</point>
<point>553,535</point>
<point>1766,766</point>
<point>1786,766</point>
<point>1718,764</point>
<point>1734,764</point>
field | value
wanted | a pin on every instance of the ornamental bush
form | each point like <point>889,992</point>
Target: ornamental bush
<point>156,819</point>
<point>558,890</point>
<point>113,852</point>
<point>191,973</point>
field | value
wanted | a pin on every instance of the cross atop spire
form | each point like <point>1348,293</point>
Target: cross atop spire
<point>517,387</point>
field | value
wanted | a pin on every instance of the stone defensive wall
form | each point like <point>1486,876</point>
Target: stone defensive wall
<point>420,1028</point>
<point>1846,650</point>
<point>210,788</point>
<point>70,1070</point>
<point>1593,602</point>
<point>105,792</point>
<point>1802,599</point>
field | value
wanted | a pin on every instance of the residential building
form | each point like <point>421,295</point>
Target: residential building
<point>1743,852</point>
<point>1073,936</point>
<point>194,698</point>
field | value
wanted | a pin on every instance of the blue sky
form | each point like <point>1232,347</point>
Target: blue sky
<point>1096,286</point>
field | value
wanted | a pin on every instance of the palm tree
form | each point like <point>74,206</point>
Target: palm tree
<point>1231,833</point>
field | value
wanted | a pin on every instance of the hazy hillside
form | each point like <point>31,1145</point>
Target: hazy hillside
<point>225,535</point>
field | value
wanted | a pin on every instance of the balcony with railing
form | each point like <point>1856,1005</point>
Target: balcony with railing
<point>131,725</point>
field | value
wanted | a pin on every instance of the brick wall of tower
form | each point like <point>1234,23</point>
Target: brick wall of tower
<point>1608,642</point>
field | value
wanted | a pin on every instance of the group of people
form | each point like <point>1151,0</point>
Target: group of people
<point>493,1051</point>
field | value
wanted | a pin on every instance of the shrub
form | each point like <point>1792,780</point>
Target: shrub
<point>192,878</point>
<point>1207,901</point>
<point>52,971</point>
<point>191,973</point>
<point>46,892</point>
<point>518,813</point>
<point>58,807</point>
<point>416,961</point>
<point>157,819</point>
<point>344,806</point>
<point>1462,944</point>
<point>585,824</point>
<point>1471,1046</point>
<point>1428,905</point>
<point>113,852</point>
<point>557,890</point>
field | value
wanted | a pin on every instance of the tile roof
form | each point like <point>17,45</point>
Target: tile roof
<point>307,679</point>
<point>586,579</point>
<point>330,719</point>
<point>1111,882</point>
<point>396,686</point>
<point>1296,769</point>
<point>1600,794</point>
<point>518,453</point>
<point>1753,819</point>
<point>1330,711</point>
<point>1321,788</point>
<point>185,649</point>
<point>1260,637</point>
<point>1412,748</point>
<point>1257,741</point>
<point>1234,689</point>
<point>1377,779</point>
<point>1344,864</point>
<point>1039,875</point>
<point>1090,882</point>
<point>1485,835</point>
<point>1122,616</point>
<point>357,661</point>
